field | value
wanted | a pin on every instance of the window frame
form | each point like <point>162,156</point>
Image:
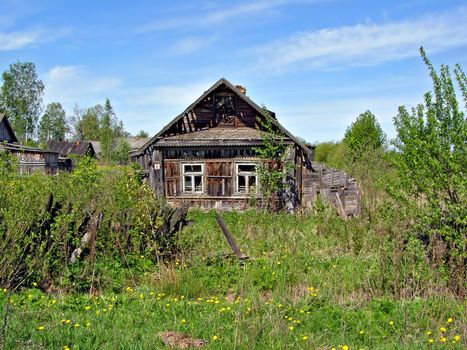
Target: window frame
<point>193,175</point>
<point>247,177</point>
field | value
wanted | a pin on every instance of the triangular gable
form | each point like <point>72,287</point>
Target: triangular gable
<point>7,127</point>
<point>239,94</point>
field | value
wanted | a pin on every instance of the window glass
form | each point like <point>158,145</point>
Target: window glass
<point>193,178</point>
<point>249,168</point>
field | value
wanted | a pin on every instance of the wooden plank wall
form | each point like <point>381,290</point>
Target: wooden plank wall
<point>335,186</point>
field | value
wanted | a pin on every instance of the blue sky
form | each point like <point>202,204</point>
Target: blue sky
<point>317,64</point>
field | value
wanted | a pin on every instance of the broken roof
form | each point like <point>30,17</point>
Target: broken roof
<point>245,98</point>
<point>65,148</point>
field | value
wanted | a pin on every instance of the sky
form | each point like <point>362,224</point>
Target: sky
<point>316,64</point>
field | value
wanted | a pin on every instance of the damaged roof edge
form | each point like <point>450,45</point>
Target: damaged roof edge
<point>239,94</point>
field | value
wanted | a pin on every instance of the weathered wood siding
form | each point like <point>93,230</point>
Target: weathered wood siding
<point>219,179</point>
<point>172,178</point>
<point>202,115</point>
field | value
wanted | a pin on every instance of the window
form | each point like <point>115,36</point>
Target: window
<point>247,180</point>
<point>193,178</point>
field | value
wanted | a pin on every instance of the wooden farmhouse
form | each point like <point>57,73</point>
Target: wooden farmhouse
<point>30,159</point>
<point>207,157</point>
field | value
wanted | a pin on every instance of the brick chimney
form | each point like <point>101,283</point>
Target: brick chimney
<point>241,88</point>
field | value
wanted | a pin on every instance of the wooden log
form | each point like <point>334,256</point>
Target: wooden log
<point>229,238</point>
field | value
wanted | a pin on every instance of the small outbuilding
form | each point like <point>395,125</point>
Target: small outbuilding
<point>30,159</point>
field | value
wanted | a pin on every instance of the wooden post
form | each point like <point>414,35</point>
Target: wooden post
<point>228,236</point>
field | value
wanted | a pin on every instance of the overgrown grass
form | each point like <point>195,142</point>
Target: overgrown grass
<point>302,288</point>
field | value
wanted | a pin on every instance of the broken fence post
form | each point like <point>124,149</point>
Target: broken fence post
<point>229,237</point>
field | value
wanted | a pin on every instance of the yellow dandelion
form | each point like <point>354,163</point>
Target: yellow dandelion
<point>450,320</point>
<point>183,320</point>
<point>443,330</point>
<point>345,347</point>
<point>457,337</point>
<point>77,325</point>
<point>34,284</point>
<point>41,328</point>
<point>280,305</point>
<point>68,321</point>
<point>305,337</point>
<point>291,328</point>
<point>361,332</point>
<point>431,341</point>
<point>391,323</point>
<point>87,307</point>
<point>88,324</point>
<point>428,333</point>
<point>443,340</point>
<point>141,296</point>
<point>215,337</point>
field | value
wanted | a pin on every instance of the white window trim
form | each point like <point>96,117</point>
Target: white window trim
<point>237,173</point>
<point>192,178</point>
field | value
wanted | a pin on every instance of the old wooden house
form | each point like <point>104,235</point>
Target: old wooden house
<point>30,159</point>
<point>207,157</point>
<point>69,150</point>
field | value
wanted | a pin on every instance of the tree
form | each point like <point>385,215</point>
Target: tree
<point>142,134</point>
<point>273,154</point>
<point>432,162</point>
<point>21,98</point>
<point>364,134</point>
<point>88,127</point>
<point>53,124</point>
<point>122,152</point>
<point>110,130</point>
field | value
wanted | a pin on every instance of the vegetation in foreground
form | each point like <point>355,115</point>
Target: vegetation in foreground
<point>299,289</point>
<point>392,279</point>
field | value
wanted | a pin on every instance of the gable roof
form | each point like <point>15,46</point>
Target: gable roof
<point>66,148</point>
<point>244,97</point>
<point>4,120</point>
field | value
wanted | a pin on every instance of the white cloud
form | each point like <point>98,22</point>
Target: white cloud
<point>218,16</point>
<point>16,40</point>
<point>189,45</point>
<point>176,97</point>
<point>364,44</point>
<point>75,84</point>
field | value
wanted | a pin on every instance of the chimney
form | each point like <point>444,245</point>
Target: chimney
<point>241,88</point>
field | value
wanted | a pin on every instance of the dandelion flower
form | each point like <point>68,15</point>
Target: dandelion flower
<point>34,284</point>
<point>77,325</point>
<point>391,323</point>
<point>443,330</point>
<point>305,337</point>
<point>428,333</point>
<point>443,340</point>
<point>183,321</point>
<point>457,337</point>
<point>361,332</point>
<point>87,307</point>
<point>215,337</point>
<point>291,328</point>
<point>450,320</point>
<point>431,341</point>
<point>41,328</point>
<point>345,347</point>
